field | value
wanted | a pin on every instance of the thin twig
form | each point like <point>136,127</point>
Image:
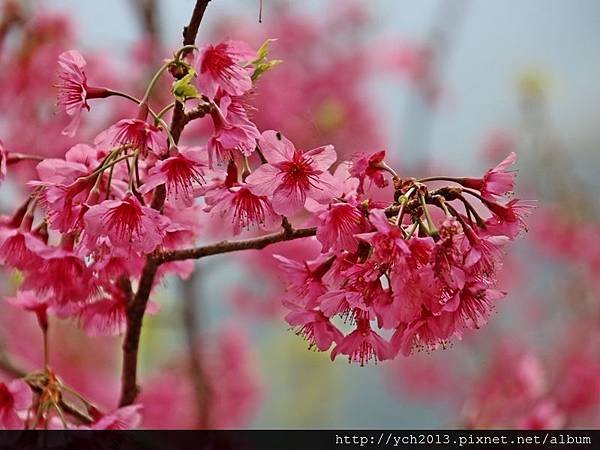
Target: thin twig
<point>235,246</point>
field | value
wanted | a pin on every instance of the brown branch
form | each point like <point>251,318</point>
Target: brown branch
<point>198,112</point>
<point>137,308</point>
<point>131,343</point>
<point>191,324</point>
<point>191,31</point>
<point>189,38</point>
<point>234,246</point>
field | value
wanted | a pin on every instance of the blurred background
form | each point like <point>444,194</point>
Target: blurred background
<point>449,87</point>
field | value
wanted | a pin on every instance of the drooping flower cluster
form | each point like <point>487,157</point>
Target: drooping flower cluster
<point>104,224</point>
<point>418,270</point>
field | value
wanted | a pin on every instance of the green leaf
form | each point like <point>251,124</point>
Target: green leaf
<point>263,67</point>
<point>183,89</point>
<point>262,63</point>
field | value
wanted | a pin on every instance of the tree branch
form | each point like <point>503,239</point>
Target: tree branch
<point>191,31</point>
<point>191,324</point>
<point>189,38</point>
<point>137,307</point>
<point>234,246</point>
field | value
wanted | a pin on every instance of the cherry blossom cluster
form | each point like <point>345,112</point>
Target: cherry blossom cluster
<point>419,268</point>
<point>104,224</point>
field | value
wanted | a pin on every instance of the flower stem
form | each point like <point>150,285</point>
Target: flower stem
<point>153,82</point>
<point>46,349</point>
<point>452,179</point>
<point>430,224</point>
<point>110,164</point>
<point>184,49</point>
<point>412,230</point>
<point>387,168</point>
<point>163,111</point>
<point>403,201</point>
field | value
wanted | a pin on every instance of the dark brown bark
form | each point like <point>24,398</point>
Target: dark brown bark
<point>137,308</point>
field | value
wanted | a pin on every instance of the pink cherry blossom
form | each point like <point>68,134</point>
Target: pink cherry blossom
<point>64,273</point>
<point>496,182</point>
<point>127,224</point>
<point>509,219</point>
<point>220,66</point>
<point>240,209</point>
<point>233,133</point>
<point>367,273</point>
<point>305,279</point>
<point>369,166</point>
<point>315,328</point>
<point>66,185</point>
<point>15,398</point>
<point>338,227</point>
<point>73,90</point>
<point>137,133</point>
<point>20,249</point>
<point>107,315</point>
<point>181,173</point>
<point>291,175</point>
<point>362,345</point>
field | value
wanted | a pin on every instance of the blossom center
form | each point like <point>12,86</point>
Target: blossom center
<point>125,219</point>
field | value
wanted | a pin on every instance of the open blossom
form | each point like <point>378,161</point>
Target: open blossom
<point>509,219</point>
<point>66,185</point>
<point>107,316</point>
<point>483,252</point>
<point>234,132</point>
<point>137,133</point>
<point>305,279</point>
<point>369,166</point>
<point>338,226</point>
<point>496,182</point>
<point>240,209</point>
<point>290,175</point>
<point>181,173</point>
<point>20,248</point>
<point>315,328</point>
<point>127,224</point>
<point>15,397</point>
<point>362,345</point>
<point>64,274</point>
<point>73,90</point>
<point>220,66</point>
